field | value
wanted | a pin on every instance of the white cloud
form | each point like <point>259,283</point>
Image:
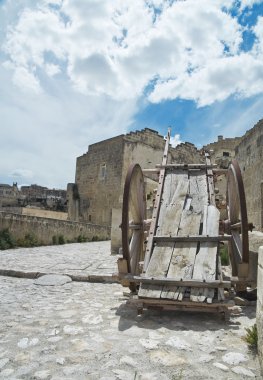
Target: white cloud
<point>241,75</point>
<point>122,46</point>
<point>176,140</point>
<point>22,174</point>
<point>26,80</point>
<point>52,69</point>
<point>79,70</point>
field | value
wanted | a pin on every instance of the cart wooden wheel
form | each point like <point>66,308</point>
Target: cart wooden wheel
<point>133,216</point>
<point>237,224</point>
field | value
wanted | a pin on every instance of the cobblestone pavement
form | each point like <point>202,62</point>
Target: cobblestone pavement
<point>83,330</point>
<point>80,259</point>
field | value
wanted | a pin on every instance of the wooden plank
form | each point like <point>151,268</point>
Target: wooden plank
<point>210,181</point>
<point>198,191</point>
<point>157,205</point>
<point>187,166</point>
<point>192,238</point>
<point>173,200</point>
<point>205,263</point>
<point>174,194</point>
<point>183,257</point>
<point>174,281</point>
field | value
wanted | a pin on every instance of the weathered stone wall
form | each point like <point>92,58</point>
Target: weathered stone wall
<point>222,151</point>
<point>249,154</point>
<point>98,180</point>
<point>44,229</point>
<point>44,213</point>
<point>260,306</point>
<point>41,213</point>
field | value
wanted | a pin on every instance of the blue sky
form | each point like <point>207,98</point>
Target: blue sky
<point>76,72</point>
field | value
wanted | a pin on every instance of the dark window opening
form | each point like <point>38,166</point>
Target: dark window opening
<point>226,154</point>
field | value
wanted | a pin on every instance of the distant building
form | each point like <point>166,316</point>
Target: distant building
<point>33,195</point>
<point>8,194</point>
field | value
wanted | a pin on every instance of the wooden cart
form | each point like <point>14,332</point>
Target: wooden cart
<point>172,260</point>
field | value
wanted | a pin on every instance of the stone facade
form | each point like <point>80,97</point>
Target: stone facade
<point>223,150</point>
<point>248,150</point>
<point>101,172</point>
<point>249,154</point>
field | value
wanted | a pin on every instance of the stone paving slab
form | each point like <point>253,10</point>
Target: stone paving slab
<point>85,330</point>
<point>77,259</point>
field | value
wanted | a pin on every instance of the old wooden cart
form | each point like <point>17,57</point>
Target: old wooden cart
<point>172,260</point>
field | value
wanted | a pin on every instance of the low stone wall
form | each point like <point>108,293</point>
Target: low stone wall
<point>260,306</point>
<point>44,213</point>
<point>44,228</point>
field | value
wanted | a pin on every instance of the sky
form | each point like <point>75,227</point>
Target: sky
<point>75,72</point>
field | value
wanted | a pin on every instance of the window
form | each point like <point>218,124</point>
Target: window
<point>103,171</point>
<point>226,154</point>
<point>89,218</point>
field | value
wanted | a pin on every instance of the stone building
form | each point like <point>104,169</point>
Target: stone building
<point>31,196</point>
<point>248,150</point>
<point>8,195</point>
<point>223,150</point>
<point>96,195</point>
<point>249,154</point>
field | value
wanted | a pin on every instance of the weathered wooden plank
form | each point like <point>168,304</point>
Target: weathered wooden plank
<point>205,263</point>
<point>198,190</point>
<point>192,238</point>
<point>157,205</point>
<point>173,200</point>
<point>174,194</point>
<point>210,180</point>
<point>183,257</point>
<point>175,281</point>
<point>187,166</point>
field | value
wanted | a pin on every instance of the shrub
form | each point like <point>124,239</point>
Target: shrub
<point>54,240</point>
<point>61,239</point>
<point>224,255</point>
<point>81,239</point>
<point>7,241</point>
<point>252,336</point>
<point>29,240</point>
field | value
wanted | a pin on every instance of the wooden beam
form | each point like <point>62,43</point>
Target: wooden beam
<point>186,166</point>
<point>157,205</point>
<point>177,282</point>
<point>186,239</point>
